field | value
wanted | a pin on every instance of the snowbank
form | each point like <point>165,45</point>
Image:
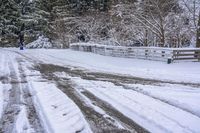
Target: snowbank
<point>41,42</point>
<point>61,113</point>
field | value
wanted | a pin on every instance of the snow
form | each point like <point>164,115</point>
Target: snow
<point>1,99</point>
<point>22,122</point>
<point>89,102</point>
<point>184,97</point>
<point>41,42</point>
<point>179,72</point>
<point>3,73</point>
<point>152,114</point>
<point>158,108</point>
<point>59,111</point>
<point>123,47</point>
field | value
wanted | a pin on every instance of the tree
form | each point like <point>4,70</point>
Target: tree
<point>198,33</point>
<point>147,21</point>
<point>122,26</point>
<point>17,16</point>
<point>76,20</point>
<point>9,21</point>
<point>29,21</point>
<point>192,9</point>
<point>153,15</point>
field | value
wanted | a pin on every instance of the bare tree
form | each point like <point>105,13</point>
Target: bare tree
<point>192,8</point>
<point>124,29</point>
<point>153,16</point>
<point>198,33</point>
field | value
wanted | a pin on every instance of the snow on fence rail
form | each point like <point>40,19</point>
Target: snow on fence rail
<point>149,53</point>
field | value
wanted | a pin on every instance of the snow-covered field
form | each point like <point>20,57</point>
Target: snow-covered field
<point>66,91</point>
<point>180,72</point>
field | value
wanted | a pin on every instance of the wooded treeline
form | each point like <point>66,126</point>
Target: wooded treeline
<point>165,23</point>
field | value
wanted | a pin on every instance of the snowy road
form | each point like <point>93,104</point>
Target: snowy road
<point>44,93</point>
<point>19,113</point>
<point>24,105</point>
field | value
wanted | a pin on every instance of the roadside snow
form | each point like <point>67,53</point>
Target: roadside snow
<point>60,113</point>
<point>180,72</point>
<point>184,97</point>
<point>152,114</point>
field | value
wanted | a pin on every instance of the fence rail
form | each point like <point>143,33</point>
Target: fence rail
<point>186,54</point>
<point>149,53</point>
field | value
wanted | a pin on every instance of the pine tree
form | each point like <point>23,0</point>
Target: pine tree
<point>17,16</point>
<point>9,21</point>
<point>29,20</point>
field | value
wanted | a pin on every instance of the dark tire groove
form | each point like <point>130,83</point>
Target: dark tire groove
<point>19,88</point>
<point>98,123</point>
<point>32,114</point>
<point>91,115</point>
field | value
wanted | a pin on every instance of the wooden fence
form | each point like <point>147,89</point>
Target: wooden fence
<point>149,53</point>
<point>186,54</point>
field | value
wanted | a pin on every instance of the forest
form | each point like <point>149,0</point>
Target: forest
<point>163,23</point>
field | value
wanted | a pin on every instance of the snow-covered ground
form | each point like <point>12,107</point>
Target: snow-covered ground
<point>32,105</point>
<point>31,93</point>
<point>184,97</point>
<point>1,99</point>
<point>180,72</point>
<point>60,112</point>
<point>152,114</point>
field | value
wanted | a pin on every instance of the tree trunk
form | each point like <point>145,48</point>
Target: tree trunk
<point>162,30</point>
<point>146,38</point>
<point>198,34</point>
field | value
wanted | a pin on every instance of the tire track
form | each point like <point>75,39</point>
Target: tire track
<point>49,69</point>
<point>19,113</point>
<point>12,109</point>
<point>98,123</point>
<point>32,115</point>
<point>116,79</point>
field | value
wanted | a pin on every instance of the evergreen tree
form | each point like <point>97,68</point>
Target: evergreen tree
<point>9,21</point>
<point>17,16</point>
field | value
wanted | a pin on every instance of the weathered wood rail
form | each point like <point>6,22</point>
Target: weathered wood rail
<point>149,53</point>
<point>186,54</point>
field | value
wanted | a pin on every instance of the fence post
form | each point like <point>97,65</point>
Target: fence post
<point>169,60</point>
<point>105,52</point>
